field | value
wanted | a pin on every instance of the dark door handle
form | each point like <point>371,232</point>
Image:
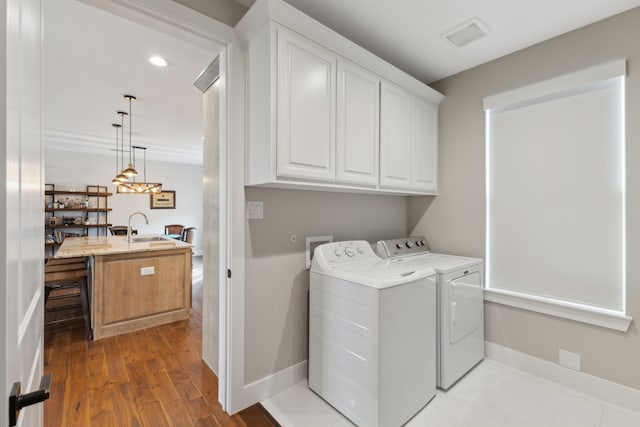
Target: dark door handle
<point>18,401</point>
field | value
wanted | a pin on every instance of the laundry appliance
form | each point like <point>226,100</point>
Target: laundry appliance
<point>372,334</point>
<point>460,312</point>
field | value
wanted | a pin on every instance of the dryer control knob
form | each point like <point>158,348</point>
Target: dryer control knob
<point>423,242</point>
<point>409,245</point>
<point>349,251</point>
<point>360,251</point>
<point>338,253</point>
<point>399,245</point>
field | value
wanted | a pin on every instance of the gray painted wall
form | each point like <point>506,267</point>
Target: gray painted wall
<point>277,282</point>
<point>454,220</point>
<point>226,11</point>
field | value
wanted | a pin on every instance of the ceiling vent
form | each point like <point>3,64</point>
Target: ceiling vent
<point>466,32</point>
<point>208,76</point>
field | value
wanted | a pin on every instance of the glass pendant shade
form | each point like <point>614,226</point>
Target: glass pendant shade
<point>130,171</point>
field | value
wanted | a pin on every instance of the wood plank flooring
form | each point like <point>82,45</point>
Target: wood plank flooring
<point>153,378</point>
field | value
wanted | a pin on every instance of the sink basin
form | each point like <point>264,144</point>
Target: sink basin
<point>146,239</point>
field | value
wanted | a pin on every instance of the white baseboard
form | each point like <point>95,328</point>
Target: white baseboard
<point>273,384</point>
<point>597,387</point>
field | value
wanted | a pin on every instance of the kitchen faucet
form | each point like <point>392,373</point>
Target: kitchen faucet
<point>129,227</point>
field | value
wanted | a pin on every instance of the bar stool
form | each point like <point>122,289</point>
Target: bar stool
<point>174,229</point>
<point>68,273</point>
<point>121,230</point>
<point>187,234</point>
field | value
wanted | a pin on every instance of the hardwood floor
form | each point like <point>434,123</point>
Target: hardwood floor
<point>153,378</point>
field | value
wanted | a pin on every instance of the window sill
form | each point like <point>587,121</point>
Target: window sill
<point>604,318</point>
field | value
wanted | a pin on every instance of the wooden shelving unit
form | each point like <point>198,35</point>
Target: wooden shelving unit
<point>74,213</point>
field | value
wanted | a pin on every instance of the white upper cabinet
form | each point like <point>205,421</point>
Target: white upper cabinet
<point>325,114</point>
<point>358,112</point>
<point>306,109</point>
<point>408,141</point>
<point>425,159</point>
<point>396,140</point>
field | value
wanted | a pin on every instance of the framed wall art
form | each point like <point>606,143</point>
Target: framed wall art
<point>163,200</point>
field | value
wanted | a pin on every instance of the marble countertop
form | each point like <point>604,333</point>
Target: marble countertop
<point>108,245</point>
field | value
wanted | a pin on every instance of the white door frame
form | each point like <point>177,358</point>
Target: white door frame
<point>187,24</point>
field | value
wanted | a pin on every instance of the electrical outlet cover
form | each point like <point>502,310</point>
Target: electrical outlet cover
<point>569,359</point>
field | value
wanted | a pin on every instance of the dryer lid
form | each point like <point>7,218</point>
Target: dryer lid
<point>444,263</point>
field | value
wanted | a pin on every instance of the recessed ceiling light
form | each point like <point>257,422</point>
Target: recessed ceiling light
<point>159,61</point>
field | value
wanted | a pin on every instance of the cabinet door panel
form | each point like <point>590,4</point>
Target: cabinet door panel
<point>425,159</point>
<point>306,109</point>
<point>395,137</point>
<point>358,111</point>
<point>129,295</point>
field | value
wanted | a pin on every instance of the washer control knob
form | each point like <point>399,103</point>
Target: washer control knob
<point>349,251</point>
<point>409,244</point>
<point>338,253</point>
<point>399,245</point>
<point>423,242</point>
<point>360,251</point>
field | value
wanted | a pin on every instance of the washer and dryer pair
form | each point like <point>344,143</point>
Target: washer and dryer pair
<point>385,329</point>
<point>460,295</point>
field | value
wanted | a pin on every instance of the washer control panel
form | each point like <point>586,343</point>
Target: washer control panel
<point>401,247</point>
<point>343,252</point>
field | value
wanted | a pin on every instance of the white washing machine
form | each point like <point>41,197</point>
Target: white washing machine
<point>460,334</point>
<point>372,334</point>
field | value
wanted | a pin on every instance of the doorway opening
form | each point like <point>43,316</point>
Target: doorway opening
<point>72,142</point>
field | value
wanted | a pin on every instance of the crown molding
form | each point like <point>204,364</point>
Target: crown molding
<point>95,144</point>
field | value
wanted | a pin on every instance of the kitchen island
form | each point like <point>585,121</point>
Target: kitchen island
<point>134,285</point>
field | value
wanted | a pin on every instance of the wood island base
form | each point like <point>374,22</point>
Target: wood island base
<point>138,290</point>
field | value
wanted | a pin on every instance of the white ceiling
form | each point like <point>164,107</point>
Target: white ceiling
<point>92,58</point>
<point>407,33</point>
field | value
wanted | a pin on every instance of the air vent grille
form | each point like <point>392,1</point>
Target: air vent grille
<point>466,32</point>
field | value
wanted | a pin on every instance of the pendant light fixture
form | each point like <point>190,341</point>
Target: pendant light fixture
<point>126,180</point>
<point>121,176</point>
<point>117,180</point>
<point>140,187</point>
<point>130,170</point>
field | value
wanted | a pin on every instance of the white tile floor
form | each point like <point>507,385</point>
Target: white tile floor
<point>492,395</point>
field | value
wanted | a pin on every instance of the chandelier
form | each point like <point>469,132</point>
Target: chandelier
<point>125,179</point>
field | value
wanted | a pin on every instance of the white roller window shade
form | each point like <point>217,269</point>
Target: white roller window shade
<point>555,190</point>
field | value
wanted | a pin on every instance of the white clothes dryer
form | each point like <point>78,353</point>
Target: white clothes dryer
<point>460,334</point>
<point>372,334</point>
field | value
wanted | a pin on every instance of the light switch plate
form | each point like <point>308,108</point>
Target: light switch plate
<point>255,210</point>
<point>147,271</point>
